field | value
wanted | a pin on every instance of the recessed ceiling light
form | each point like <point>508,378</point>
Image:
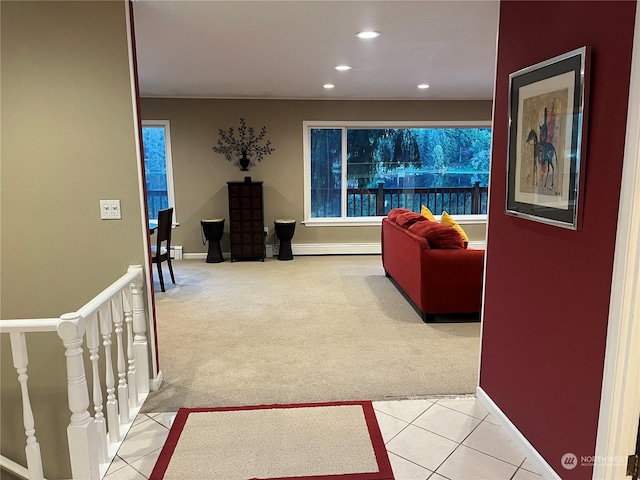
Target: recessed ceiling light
<point>367,34</point>
<point>343,68</point>
<point>328,86</point>
<point>423,86</point>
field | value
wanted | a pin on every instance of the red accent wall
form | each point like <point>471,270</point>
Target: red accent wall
<point>547,288</point>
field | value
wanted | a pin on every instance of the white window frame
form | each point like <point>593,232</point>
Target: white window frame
<point>307,125</point>
<point>169,162</point>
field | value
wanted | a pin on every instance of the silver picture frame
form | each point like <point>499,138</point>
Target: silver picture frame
<point>547,138</point>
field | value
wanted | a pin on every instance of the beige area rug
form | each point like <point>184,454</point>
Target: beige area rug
<point>304,441</point>
<point>315,329</point>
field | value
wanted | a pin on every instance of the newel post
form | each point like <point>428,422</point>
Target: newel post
<point>81,432</point>
<point>140,342</point>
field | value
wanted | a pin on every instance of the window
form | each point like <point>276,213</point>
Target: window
<point>355,172</point>
<point>156,140</point>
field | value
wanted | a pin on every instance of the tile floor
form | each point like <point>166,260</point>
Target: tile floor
<point>439,438</point>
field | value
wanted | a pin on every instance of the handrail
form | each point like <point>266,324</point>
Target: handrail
<point>14,468</point>
<point>29,325</point>
<point>115,317</point>
<point>108,293</point>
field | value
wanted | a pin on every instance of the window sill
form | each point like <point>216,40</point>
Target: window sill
<point>376,221</point>
<point>343,222</point>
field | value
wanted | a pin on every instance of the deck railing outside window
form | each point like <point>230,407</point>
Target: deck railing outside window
<point>378,202</point>
<point>157,200</point>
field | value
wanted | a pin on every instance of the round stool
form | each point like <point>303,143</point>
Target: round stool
<point>285,227</point>
<point>212,231</point>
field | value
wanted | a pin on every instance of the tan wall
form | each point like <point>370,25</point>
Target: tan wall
<point>200,174</point>
<point>67,142</point>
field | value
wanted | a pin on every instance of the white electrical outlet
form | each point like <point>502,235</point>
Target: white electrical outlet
<point>110,210</point>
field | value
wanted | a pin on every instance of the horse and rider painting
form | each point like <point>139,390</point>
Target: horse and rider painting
<point>543,136</point>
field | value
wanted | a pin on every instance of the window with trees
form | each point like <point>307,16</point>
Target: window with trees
<point>156,140</point>
<point>356,172</point>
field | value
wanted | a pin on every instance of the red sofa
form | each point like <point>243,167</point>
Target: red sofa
<point>435,281</point>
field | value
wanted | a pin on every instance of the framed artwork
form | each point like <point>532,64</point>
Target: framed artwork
<point>547,126</point>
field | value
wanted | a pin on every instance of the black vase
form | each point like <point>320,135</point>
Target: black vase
<point>244,163</point>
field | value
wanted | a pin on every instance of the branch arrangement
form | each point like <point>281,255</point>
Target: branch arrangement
<point>246,146</point>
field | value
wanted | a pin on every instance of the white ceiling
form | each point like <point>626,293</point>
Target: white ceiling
<point>288,49</point>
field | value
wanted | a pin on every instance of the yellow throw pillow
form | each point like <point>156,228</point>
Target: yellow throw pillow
<point>448,220</point>
<point>426,213</point>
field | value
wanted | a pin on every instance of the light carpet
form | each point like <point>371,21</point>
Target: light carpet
<point>314,329</point>
<point>307,441</point>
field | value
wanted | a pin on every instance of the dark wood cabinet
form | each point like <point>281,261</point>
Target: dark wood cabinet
<point>246,220</point>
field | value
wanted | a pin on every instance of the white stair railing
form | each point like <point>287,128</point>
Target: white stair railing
<point>93,440</point>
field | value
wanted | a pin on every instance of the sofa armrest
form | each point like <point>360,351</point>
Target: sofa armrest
<point>452,280</point>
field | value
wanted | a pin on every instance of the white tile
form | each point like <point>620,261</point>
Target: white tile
<point>468,464</point>
<point>492,440</point>
<point>527,465</point>
<point>522,474</point>
<point>116,464</point>
<point>422,447</point>
<point>140,418</point>
<point>389,426</point>
<point>145,464</point>
<point>453,425</point>
<point>468,405</point>
<point>165,418</point>
<point>406,470</point>
<point>407,410</point>
<point>490,419</point>
<point>141,440</point>
<point>435,476</point>
<point>126,473</point>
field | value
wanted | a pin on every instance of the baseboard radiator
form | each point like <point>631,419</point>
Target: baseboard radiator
<point>114,320</point>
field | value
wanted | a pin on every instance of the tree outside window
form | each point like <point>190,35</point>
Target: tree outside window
<point>408,166</point>
<point>157,163</point>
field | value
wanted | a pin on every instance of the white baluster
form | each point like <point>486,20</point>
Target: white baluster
<point>81,431</point>
<point>140,345</point>
<point>112,406</point>
<point>20,362</point>
<point>93,344</point>
<point>131,360</point>
<point>123,390</point>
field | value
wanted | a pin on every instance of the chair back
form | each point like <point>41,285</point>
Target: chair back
<point>163,233</point>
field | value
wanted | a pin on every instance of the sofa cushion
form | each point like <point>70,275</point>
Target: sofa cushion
<point>448,220</point>
<point>408,218</point>
<point>438,235</point>
<point>394,212</point>
<point>426,213</point>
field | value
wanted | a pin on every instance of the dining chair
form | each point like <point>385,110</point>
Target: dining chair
<point>161,252</point>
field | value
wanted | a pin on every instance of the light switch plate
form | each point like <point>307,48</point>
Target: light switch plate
<point>110,210</point>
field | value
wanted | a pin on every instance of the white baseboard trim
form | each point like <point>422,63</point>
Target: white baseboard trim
<point>225,255</point>
<point>478,244</point>
<point>202,256</point>
<point>516,437</point>
<point>313,249</point>
<point>336,248</point>
<point>325,249</point>
<point>155,383</point>
<point>195,256</point>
